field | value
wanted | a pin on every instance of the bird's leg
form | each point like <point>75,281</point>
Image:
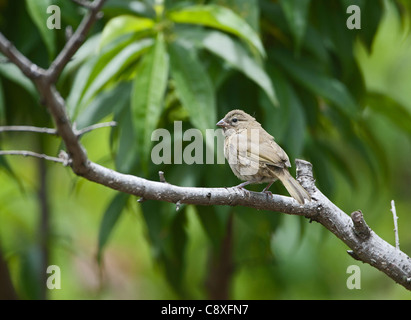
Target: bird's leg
<point>243,184</point>
<point>268,187</point>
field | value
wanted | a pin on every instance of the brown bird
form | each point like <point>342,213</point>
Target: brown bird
<point>255,157</point>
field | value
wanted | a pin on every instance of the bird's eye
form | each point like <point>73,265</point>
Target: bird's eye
<point>234,120</point>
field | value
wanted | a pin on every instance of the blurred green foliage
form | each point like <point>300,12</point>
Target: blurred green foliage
<point>336,97</point>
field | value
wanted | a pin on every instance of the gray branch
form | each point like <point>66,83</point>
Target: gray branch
<point>76,40</point>
<point>26,153</point>
<point>364,243</point>
<point>28,129</point>
<point>54,132</point>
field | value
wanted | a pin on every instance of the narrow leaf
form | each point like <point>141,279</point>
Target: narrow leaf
<point>13,73</point>
<point>235,54</point>
<point>110,218</point>
<point>127,157</point>
<point>315,80</point>
<point>121,25</point>
<point>91,69</point>
<point>2,105</point>
<point>221,18</point>
<point>193,86</point>
<point>296,13</point>
<point>37,10</point>
<point>147,95</point>
<point>120,62</point>
<point>394,111</point>
<point>104,104</point>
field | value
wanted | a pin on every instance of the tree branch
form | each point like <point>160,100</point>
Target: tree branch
<point>28,129</point>
<point>395,217</point>
<point>83,3</point>
<point>26,153</point>
<point>30,70</point>
<point>76,40</point>
<point>96,126</point>
<point>52,131</point>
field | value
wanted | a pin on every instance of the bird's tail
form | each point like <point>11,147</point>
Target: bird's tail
<point>293,186</point>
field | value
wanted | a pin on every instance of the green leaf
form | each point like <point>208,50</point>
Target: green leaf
<point>91,69</point>
<point>331,19</point>
<point>117,65</point>
<point>193,86</point>
<point>2,105</point>
<point>304,72</point>
<point>78,87</point>
<point>377,151</point>
<point>249,10</point>
<point>213,221</point>
<point>394,111</point>
<point>110,218</point>
<point>121,25</point>
<point>148,94</point>
<point>30,271</point>
<point>119,7</point>
<point>127,156</point>
<point>37,10</point>
<point>369,26</point>
<point>168,238</point>
<point>277,120</point>
<point>296,13</point>
<point>335,153</point>
<point>104,104</point>
<point>294,137</point>
<point>221,18</point>
<point>13,73</point>
<point>287,123</point>
<point>85,52</point>
<point>237,56</point>
<point>174,250</point>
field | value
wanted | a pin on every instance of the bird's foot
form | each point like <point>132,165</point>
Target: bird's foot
<point>244,190</point>
<point>267,192</point>
<point>242,185</point>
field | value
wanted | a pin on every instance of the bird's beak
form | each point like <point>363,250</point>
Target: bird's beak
<point>222,124</point>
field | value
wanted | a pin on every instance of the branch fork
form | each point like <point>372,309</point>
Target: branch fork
<point>360,227</point>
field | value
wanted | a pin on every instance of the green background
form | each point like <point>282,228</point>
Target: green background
<point>336,97</point>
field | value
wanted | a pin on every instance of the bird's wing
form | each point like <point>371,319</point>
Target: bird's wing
<point>268,151</point>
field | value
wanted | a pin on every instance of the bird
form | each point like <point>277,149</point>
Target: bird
<point>254,156</point>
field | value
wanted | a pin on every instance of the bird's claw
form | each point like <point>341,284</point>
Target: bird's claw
<point>244,190</point>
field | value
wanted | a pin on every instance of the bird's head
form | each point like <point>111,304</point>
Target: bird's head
<point>237,120</point>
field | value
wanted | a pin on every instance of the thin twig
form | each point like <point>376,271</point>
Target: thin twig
<point>83,3</point>
<point>52,131</point>
<point>395,217</point>
<point>28,129</point>
<point>96,126</point>
<point>161,176</point>
<point>25,153</point>
<point>178,205</point>
<point>74,43</point>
